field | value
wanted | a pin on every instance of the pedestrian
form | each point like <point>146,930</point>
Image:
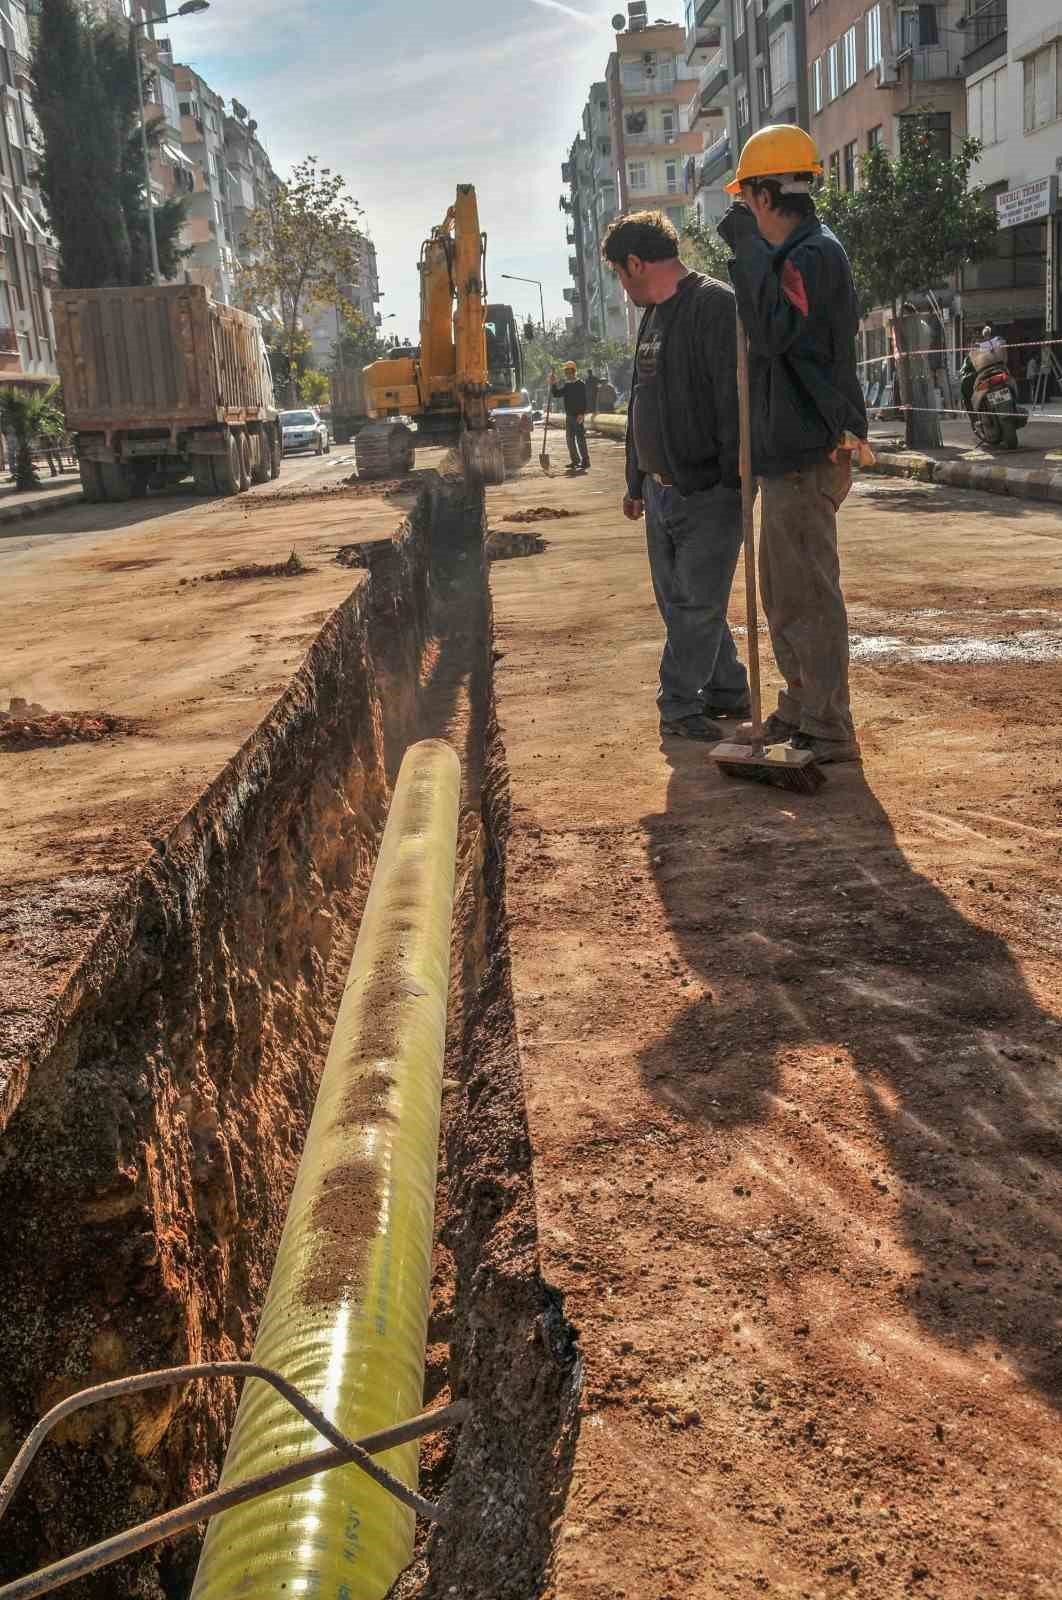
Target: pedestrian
<point>1032,372</point>
<point>800,310</point>
<point>573,392</point>
<point>682,469</point>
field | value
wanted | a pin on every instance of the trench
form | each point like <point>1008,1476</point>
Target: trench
<point>156,1129</point>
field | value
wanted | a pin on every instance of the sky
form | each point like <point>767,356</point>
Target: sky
<point>408,98</point>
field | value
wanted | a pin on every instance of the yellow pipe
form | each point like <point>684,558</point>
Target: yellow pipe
<point>345,1318</point>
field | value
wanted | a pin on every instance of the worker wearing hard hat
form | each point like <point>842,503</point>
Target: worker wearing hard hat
<point>573,392</point>
<point>799,306</point>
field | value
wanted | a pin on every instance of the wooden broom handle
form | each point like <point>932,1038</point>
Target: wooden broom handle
<point>748,500</point>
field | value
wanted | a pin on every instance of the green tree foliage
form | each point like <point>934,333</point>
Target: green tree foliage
<point>314,387</point>
<point>360,343</point>
<point>704,251</point>
<point>304,247</point>
<point>29,414</point>
<point>913,221</point>
<point>609,358</point>
<point>89,165</point>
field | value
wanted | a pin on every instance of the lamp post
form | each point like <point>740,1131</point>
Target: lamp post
<point>514,278</point>
<point>189,9</point>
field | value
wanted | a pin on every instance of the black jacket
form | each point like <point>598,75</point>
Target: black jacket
<point>799,305</point>
<point>573,393</point>
<point>698,392</point>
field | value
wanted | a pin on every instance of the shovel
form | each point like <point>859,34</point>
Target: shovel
<point>543,459</point>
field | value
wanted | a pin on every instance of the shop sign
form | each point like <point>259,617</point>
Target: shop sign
<point>1027,204</point>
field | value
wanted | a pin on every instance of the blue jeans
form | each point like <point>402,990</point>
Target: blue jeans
<point>575,436</point>
<point>694,541</point>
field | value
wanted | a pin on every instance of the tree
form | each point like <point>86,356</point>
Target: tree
<point>913,221</point>
<point>608,357</point>
<point>704,251</point>
<point>28,414</point>
<point>314,388</point>
<point>89,166</point>
<point>304,247</point>
<point>359,344</point>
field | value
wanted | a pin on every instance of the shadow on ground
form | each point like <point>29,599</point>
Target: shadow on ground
<point>827,953</point>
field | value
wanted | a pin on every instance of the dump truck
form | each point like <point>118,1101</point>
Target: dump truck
<point>349,403</point>
<point>162,383</point>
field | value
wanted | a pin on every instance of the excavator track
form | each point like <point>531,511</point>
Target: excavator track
<point>384,450</point>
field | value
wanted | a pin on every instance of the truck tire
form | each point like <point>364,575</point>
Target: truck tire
<point>91,481</point>
<point>261,463</point>
<point>203,473</point>
<point>117,481</point>
<point>244,445</point>
<point>227,469</point>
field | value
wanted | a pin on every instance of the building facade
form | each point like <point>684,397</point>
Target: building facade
<point>1013,61</point>
<point>324,323</point>
<point>596,299</point>
<point>749,59</point>
<point>28,257</point>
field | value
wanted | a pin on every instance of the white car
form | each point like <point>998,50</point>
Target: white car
<point>304,430</point>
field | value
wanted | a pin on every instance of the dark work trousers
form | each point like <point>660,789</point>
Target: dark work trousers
<point>694,541</point>
<point>800,581</point>
<point>575,433</point>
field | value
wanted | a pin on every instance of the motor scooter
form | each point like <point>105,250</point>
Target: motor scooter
<point>990,395</point>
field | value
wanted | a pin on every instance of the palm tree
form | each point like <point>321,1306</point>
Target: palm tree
<point>27,414</point>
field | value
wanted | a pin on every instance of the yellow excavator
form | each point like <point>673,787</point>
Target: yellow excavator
<point>466,371</point>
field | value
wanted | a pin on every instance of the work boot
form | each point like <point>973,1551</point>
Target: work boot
<point>731,713</point>
<point>696,726</point>
<point>776,730</point>
<point>825,750</point>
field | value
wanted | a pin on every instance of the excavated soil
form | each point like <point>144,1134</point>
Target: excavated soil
<point>157,1103</point>
<point>38,729</point>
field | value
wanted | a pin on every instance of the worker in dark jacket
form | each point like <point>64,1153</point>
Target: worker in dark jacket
<point>682,469</point>
<point>573,393</point>
<point>799,307</point>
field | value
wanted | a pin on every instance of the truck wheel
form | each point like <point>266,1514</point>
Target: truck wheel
<point>117,481</point>
<point>91,481</point>
<point>244,444</point>
<point>203,474</point>
<point>227,468</point>
<point>261,460</point>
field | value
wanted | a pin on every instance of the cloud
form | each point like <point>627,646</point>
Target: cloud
<point>569,11</point>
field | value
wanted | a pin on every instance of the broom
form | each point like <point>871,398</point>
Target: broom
<point>543,459</point>
<point>777,763</point>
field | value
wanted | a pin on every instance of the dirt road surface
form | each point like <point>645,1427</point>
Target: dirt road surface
<point>792,1067</point>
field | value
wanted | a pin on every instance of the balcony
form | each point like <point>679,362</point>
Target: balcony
<point>572,296</point>
<point>703,36</point>
<point>566,172</point>
<point>933,63</point>
<point>715,162</point>
<point>8,342</point>
<point>780,15</point>
<point>573,266</point>
<point>986,35</point>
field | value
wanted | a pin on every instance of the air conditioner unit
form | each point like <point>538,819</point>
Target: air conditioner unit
<point>888,72</point>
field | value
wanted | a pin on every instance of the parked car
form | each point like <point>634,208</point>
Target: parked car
<point>304,430</point>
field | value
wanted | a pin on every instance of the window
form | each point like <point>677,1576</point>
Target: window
<point>671,177</point>
<point>1042,72</point>
<point>835,170</point>
<point>985,108</point>
<point>781,74</point>
<point>763,88</point>
<point>833,73</point>
<point>816,85</point>
<point>848,59</point>
<point>744,114</point>
<point>637,175</point>
<point>873,38</point>
<point>850,166</point>
<point>667,126</point>
<point>936,125</point>
<point>874,137</point>
<point>738,10</point>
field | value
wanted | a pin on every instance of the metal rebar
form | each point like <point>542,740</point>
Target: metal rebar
<point>344,1452</point>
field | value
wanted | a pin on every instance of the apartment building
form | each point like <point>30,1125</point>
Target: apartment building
<point>1013,62</point>
<point>748,59</point>
<point>324,324</point>
<point>630,155</point>
<point>213,260</point>
<point>28,256</point>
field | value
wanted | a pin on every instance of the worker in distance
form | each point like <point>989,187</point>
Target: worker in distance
<point>799,307</point>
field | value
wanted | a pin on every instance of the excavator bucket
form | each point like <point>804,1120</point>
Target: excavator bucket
<point>482,455</point>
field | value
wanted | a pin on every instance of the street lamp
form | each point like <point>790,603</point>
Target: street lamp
<point>189,9</point>
<point>514,278</point>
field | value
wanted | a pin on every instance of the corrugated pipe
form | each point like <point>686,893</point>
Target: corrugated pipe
<point>345,1318</point>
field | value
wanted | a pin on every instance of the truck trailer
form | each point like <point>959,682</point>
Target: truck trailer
<point>162,383</point>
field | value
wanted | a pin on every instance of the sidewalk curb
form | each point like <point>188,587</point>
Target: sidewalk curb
<point>1021,483</point>
<point>40,508</point>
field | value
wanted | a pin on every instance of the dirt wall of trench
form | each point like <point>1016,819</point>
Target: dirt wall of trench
<point>151,1146</point>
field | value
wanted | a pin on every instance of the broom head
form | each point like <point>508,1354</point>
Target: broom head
<point>778,764</point>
